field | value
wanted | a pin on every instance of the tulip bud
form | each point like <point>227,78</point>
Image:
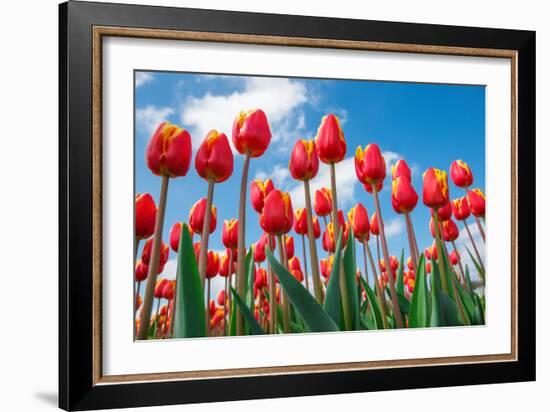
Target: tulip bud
<point>326,266</point>
<point>289,247</point>
<point>435,192</point>
<point>251,135</point>
<point>410,285</point>
<point>329,242</point>
<point>431,251</point>
<point>221,298</point>
<point>196,216</point>
<point>214,159</point>
<point>260,278</point>
<point>444,212</point>
<point>341,218</point>
<point>304,162</point>
<point>300,221</point>
<point>476,202</point>
<point>461,210</point>
<point>359,220</point>
<point>258,192</point>
<point>277,216</point>
<point>370,165</point>
<point>175,233</point>
<point>400,169</point>
<point>410,264</point>
<point>374,228</point>
<point>141,271</point>
<point>450,230</point>
<point>212,264</point>
<point>322,203</point>
<point>197,249</point>
<point>259,252</point>
<point>168,290</point>
<point>403,195</point>
<point>224,265</point>
<point>454,257</point>
<point>316,228</point>
<point>168,152</point>
<point>146,253</point>
<point>394,264</point>
<point>146,213</point>
<point>428,267</point>
<point>159,287</point>
<point>230,232</point>
<point>330,142</point>
<point>461,174</point>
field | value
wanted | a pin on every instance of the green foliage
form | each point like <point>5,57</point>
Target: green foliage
<point>248,315</point>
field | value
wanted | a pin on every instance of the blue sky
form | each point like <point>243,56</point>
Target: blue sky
<point>425,124</point>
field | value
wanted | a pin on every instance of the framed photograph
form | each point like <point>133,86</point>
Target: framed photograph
<point>257,206</point>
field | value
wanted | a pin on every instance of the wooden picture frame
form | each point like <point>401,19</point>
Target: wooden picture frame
<point>82,28</point>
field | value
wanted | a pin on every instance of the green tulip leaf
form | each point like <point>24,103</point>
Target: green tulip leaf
<point>333,298</point>
<point>255,328</point>
<point>377,322</point>
<point>313,315</point>
<point>190,307</point>
<point>419,310</point>
<point>351,285</point>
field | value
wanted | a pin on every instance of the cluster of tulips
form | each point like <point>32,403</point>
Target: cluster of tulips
<point>265,294</point>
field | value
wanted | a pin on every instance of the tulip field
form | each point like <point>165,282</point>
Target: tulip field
<point>324,266</point>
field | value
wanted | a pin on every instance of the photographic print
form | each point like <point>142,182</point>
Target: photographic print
<point>275,205</point>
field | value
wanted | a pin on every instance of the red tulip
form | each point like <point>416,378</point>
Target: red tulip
<point>461,210</point>
<point>428,267</point>
<point>214,159</point>
<point>260,278</point>
<point>168,290</point>
<point>146,254</point>
<point>359,220</point>
<point>230,230</point>
<point>383,280</point>
<point>300,221</point>
<point>341,218</point>
<point>265,238</point>
<point>330,142</point>
<point>221,298</point>
<point>259,252</point>
<point>461,174</point>
<point>403,195</point>
<point>304,162</point>
<point>322,203</point>
<point>450,230</point>
<point>197,248</point>
<point>141,271</point>
<point>326,266</point>
<point>168,152</point>
<point>298,275</point>
<point>329,243</point>
<point>159,288</point>
<point>435,192</point>
<point>289,247</point>
<point>146,213</point>
<point>212,264</point>
<point>370,165</point>
<point>410,264</point>
<point>410,285</point>
<point>316,227</point>
<point>374,228</point>
<point>196,216</point>
<point>400,169</point>
<point>175,233</point>
<point>444,212</point>
<point>224,265</point>
<point>277,216</point>
<point>394,264</point>
<point>251,135</point>
<point>258,192</point>
<point>379,185</point>
<point>431,252</point>
<point>476,202</point>
<point>212,307</point>
<point>454,257</point>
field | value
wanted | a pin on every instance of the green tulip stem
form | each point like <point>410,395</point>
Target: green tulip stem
<point>203,257</point>
<point>317,286</point>
<point>208,307</point>
<point>145,314</point>
<point>460,267</point>
<point>380,294</point>
<point>336,227</point>
<point>440,252</point>
<point>305,261</point>
<point>365,261</point>
<point>391,280</point>
<point>286,306</point>
<point>272,300</point>
<point>476,251</point>
<point>413,239</point>
<point>225,291</point>
<point>241,248</point>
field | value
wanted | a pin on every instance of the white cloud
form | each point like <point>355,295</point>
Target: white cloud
<point>394,227</point>
<point>279,98</point>
<point>279,175</point>
<point>143,78</point>
<point>149,117</point>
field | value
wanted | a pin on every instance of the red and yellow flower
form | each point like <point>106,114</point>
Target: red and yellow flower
<point>304,161</point>
<point>461,175</point>
<point>214,159</point>
<point>330,142</point>
<point>168,152</point>
<point>251,134</point>
<point>230,230</point>
<point>370,165</point>
<point>259,189</point>
<point>322,203</point>
<point>277,215</point>
<point>435,191</point>
<point>146,213</point>
<point>403,196</point>
<point>400,169</point>
<point>358,218</point>
<point>460,207</point>
<point>196,216</point>
<point>476,202</point>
